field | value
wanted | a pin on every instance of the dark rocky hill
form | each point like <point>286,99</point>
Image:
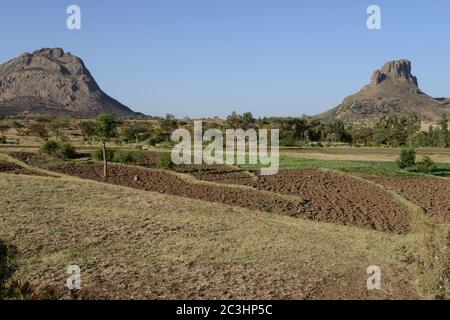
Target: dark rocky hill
<point>51,82</point>
<point>392,90</point>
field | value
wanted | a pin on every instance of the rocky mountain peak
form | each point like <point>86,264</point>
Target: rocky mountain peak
<point>393,89</point>
<point>54,79</point>
<point>397,71</point>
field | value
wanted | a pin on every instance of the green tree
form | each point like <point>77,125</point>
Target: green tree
<point>233,121</point>
<point>106,128</point>
<point>59,149</point>
<point>88,129</point>
<point>56,125</point>
<point>411,124</point>
<point>300,128</point>
<point>50,147</point>
<point>335,131</point>
<point>248,122</point>
<point>433,137</point>
<point>443,125</point>
<point>396,131</point>
<point>315,129</point>
<point>362,134</point>
<point>136,132</point>
<point>407,158</point>
<point>168,124</point>
<point>426,166</point>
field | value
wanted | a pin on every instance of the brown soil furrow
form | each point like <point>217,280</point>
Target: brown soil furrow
<point>330,197</point>
<point>13,168</point>
<point>431,194</point>
<point>163,182</point>
<point>337,197</point>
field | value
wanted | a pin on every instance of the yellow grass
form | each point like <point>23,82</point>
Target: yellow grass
<point>137,244</point>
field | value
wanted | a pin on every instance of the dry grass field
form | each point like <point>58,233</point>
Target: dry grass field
<point>136,244</point>
<point>140,244</point>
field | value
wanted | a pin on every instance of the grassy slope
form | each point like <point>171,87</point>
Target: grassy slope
<point>135,244</point>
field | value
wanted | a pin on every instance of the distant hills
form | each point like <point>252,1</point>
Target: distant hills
<point>392,90</point>
<point>51,82</point>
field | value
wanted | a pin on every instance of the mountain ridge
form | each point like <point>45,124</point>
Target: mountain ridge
<point>393,89</point>
<point>52,82</point>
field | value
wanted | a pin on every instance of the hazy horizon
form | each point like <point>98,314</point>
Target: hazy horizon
<point>209,58</point>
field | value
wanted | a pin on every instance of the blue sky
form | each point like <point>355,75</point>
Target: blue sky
<point>210,57</point>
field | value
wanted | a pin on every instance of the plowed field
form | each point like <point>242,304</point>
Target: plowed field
<point>326,196</point>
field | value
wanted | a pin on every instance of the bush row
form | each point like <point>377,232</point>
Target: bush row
<point>137,157</point>
<point>61,150</point>
<point>408,161</point>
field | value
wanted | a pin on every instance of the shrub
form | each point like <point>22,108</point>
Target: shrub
<point>319,145</point>
<point>268,207</point>
<point>2,140</point>
<point>50,147</point>
<point>66,151</point>
<point>426,166</point>
<point>164,161</point>
<point>138,157</point>
<point>87,129</point>
<point>98,155</point>
<point>288,142</point>
<point>407,158</point>
<point>60,150</point>
<point>123,156</point>
<point>135,132</point>
<point>155,140</point>
<point>152,141</point>
<point>157,137</point>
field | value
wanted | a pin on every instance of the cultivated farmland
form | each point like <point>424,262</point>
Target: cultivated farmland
<point>223,232</point>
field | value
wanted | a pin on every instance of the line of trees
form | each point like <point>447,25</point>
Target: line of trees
<point>392,130</point>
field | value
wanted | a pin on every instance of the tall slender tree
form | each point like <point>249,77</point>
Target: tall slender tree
<point>443,124</point>
<point>106,128</point>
